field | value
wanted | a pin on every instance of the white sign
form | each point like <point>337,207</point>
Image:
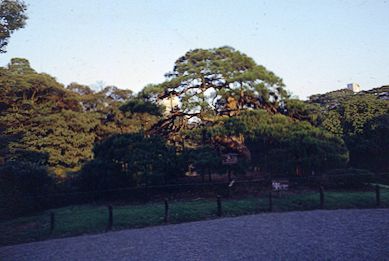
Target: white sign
<point>279,185</point>
<point>230,159</point>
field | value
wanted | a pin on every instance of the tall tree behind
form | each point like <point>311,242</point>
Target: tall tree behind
<point>214,83</point>
<point>222,81</point>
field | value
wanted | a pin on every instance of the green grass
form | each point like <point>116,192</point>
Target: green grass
<point>86,219</point>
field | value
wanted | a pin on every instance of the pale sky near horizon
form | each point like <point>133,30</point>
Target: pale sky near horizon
<point>315,46</point>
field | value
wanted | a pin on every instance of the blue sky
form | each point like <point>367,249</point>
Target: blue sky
<point>315,46</point>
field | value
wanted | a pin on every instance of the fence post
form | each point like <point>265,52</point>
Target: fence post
<point>321,197</point>
<point>166,219</point>
<point>377,195</point>
<point>219,206</point>
<point>52,222</point>
<point>229,187</point>
<point>110,218</point>
<point>270,201</point>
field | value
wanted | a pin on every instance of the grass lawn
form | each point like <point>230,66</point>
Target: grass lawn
<point>83,219</point>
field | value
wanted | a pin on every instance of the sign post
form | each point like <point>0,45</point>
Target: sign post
<point>229,159</point>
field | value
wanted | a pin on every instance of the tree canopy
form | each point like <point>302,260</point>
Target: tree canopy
<point>12,17</point>
<point>359,120</point>
<point>213,83</point>
<point>280,144</point>
<point>128,160</point>
<point>222,81</point>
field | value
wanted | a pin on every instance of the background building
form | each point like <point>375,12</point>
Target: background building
<point>354,87</point>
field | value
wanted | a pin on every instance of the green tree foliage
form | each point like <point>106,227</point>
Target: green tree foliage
<point>23,185</point>
<point>213,83</point>
<point>20,66</point>
<point>44,116</point>
<point>280,145</point>
<point>357,111</point>
<point>353,117</point>
<point>12,18</point>
<point>302,111</point>
<point>38,114</point>
<point>222,81</point>
<point>151,92</point>
<point>67,136</point>
<point>353,111</point>
<point>129,160</point>
<point>380,92</point>
<point>22,87</point>
<point>140,106</point>
<point>369,149</point>
<point>117,110</point>
<point>332,99</point>
<point>144,112</point>
<point>332,123</point>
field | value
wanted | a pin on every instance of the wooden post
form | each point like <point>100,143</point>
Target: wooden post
<point>229,187</point>
<point>166,219</point>
<point>321,197</point>
<point>146,189</point>
<point>377,195</point>
<point>270,201</point>
<point>52,222</point>
<point>219,206</point>
<point>110,218</point>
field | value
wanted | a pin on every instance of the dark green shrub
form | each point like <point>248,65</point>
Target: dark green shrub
<point>348,178</point>
<point>23,188</point>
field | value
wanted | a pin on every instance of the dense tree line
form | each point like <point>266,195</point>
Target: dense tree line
<point>361,120</point>
<point>213,102</point>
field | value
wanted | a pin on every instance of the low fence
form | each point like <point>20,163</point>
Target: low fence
<point>219,207</point>
<point>155,193</point>
<point>210,189</point>
<point>226,200</point>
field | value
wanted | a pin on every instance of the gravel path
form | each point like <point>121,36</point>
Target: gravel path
<point>309,235</point>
